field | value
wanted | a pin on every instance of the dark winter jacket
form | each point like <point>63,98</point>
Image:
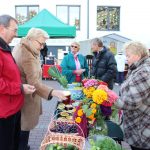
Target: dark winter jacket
<point>104,66</point>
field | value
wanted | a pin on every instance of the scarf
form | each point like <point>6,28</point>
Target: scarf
<point>77,63</point>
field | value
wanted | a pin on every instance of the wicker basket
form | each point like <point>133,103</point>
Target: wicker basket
<point>63,139</point>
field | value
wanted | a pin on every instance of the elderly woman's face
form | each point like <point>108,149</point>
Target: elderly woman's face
<point>131,58</point>
<point>39,43</point>
<point>74,48</point>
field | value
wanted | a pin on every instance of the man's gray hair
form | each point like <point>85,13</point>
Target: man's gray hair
<point>5,20</point>
<point>97,41</point>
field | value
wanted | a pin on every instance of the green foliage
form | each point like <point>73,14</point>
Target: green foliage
<point>114,111</point>
<point>100,126</point>
<point>54,72</point>
<point>85,106</point>
<point>104,144</point>
<point>60,147</point>
<point>88,112</point>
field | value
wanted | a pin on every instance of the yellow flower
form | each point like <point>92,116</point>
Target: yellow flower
<point>93,105</point>
<point>99,96</point>
<point>94,110</point>
<point>78,119</point>
<point>88,91</point>
<point>80,112</point>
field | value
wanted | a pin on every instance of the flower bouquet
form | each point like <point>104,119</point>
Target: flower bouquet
<point>95,107</point>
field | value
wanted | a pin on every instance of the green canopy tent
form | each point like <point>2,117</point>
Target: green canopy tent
<point>48,22</point>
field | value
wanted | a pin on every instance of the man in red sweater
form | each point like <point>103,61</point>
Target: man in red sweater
<point>11,88</point>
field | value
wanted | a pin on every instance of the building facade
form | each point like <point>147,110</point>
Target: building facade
<point>92,18</point>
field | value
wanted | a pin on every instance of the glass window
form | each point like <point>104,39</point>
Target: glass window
<point>25,13</point>
<point>32,11</point>
<point>69,15</point>
<point>108,18</point>
<point>62,13</point>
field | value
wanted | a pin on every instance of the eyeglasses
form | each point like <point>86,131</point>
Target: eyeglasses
<point>74,46</point>
<point>14,30</point>
<point>41,44</point>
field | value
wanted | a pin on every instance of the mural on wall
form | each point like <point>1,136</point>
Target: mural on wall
<point>113,47</point>
<point>108,18</point>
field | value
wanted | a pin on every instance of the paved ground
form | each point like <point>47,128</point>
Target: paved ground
<point>37,134</point>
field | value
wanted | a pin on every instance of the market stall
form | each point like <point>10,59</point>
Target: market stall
<point>85,118</point>
<point>50,23</point>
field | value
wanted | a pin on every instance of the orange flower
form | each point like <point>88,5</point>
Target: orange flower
<point>80,112</point>
<point>74,109</point>
<point>91,116</point>
<point>93,105</point>
<point>94,110</point>
<point>78,119</point>
<point>93,119</point>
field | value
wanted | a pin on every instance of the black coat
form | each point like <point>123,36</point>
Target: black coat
<point>104,67</point>
<point>44,51</point>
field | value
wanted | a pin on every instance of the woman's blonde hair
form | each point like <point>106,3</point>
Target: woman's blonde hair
<point>34,33</point>
<point>76,43</point>
<point>136,48</point>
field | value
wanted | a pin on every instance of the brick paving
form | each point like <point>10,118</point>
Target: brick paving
<point>38,133</point>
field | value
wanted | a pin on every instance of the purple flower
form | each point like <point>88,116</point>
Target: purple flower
<point>106,111</point>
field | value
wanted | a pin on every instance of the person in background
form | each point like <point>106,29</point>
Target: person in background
<point>104,66</point>
<point>74,65</point>
<point>43,52</point>
<point>27,56</point>
<point>11,88</point>
<point>121,61</point>
<point>135,97</point>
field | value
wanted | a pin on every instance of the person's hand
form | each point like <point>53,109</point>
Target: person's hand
<point>28,89</point>
<point>83,70</point>
<point>79,71</point>
<point>59,94</point>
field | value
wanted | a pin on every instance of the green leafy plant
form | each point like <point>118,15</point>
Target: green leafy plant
<point>55,73</point>
<point>104,144</point>
<point>60,147</point>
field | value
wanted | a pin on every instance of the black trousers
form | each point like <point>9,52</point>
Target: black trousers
<point>10,132</point>
<point>24,138</point>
